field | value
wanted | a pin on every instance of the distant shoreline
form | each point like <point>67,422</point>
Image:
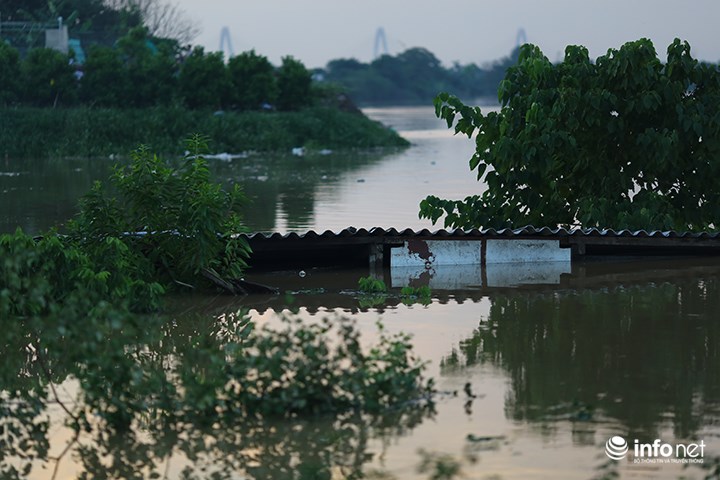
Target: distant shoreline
<point>88,132</point>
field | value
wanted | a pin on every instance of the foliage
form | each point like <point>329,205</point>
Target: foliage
<point>9,73</point>
<point>142,71</point>
<point>103,83</point>
<point>32,132</point>
<point>253,81</point>
<point>623,142</point>
<point>47,78</point>
<point>293,81</point>
<point>203,80</point>
<point>55,277</point>
<point>177,219</point>
<point>299,372</point>
<point>578,341</point>
<point>422,293</point>
<point>371,285</point>
<point>414,76</point>
<point>373,292</point>
<point>149,72</point>
<point>150,388</point>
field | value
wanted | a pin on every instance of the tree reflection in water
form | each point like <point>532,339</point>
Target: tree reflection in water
<point>638,355</point>
<point>159,398</point>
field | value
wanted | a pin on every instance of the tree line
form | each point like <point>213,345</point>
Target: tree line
<point>415,76</point>
<point>142,71</point>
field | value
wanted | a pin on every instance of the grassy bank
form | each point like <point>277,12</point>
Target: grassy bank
<point>35,132</point>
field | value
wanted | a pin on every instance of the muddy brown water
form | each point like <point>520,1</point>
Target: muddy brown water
<point>557,365</point>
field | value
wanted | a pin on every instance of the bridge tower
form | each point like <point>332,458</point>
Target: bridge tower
<point>521,38</point>
<point>380,41</point>
<point>226,45</point>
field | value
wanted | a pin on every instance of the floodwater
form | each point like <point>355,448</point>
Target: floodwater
<point>335,190</point>
<point>558,363</point>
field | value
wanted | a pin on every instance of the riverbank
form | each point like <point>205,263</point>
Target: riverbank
<point>87,132</point>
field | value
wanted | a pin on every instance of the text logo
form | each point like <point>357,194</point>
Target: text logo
<point>658,451</point>
<point>616,447</point>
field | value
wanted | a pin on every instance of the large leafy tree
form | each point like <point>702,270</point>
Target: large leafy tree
<point>253,81</point>
<point>204,80</point>
<point>623,142</point>
<point>294,82</point>
<point>47,78</point>
<point>9,73</point>
<point>103,83</point>
<point>149,70</point>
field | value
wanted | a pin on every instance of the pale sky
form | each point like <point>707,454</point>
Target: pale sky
<point>479,31</point>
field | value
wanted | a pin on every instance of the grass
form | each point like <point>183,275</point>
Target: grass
<point>88,132</point>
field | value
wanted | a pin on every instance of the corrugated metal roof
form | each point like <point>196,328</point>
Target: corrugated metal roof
<point>489,232</point>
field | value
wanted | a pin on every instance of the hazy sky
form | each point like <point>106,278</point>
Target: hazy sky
<point>479,31</point>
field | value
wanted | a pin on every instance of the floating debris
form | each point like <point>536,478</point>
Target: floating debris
<point>226,157</point>
<point>478,443</point>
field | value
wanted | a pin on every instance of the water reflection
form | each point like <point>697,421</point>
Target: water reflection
<point>138,397</point>
<point>37,194</point>
<point>283,189</point>
<point>287,193</point>
<point>556,368</point>
<point>644,355</point>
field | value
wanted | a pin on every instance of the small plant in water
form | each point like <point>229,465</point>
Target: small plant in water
<point>421,294</point>
<point>371,285</point>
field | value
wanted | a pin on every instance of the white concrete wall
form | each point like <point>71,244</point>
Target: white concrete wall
<point>521,251</point>
<point>57,39</point>
<point>449,264</point>
<point>442,252</point>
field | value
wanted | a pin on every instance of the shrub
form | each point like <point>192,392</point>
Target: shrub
<point>176,218</point>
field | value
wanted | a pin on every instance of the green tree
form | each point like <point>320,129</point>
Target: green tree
<point>294,82</point>
<point>410,66</point>
<point>9,73</point>
<point>252,80</point>
<point>180,221</point>
<point>104,82</point>
<point>623,142</point>
<point>47,78</point>
<point>204,80</point>
<point>149,70</point>
<point>414,76</point>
